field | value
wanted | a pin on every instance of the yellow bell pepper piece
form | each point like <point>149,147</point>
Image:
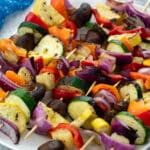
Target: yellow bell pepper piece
<point>37,6</point>
<point>81,119</point>
<point>100,125</point>
<point>135,39</point>
<point>146,62</point>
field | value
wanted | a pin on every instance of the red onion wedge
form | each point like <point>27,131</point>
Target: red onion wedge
<point>9,129</point>
<point>144,70</point>
<point>69,7</point>
<point>131,11</point>
<point>29,64</point>
<point>118,5</point>
<point>39,119</point>
<point>146,53</point>
<point>86,134</point>
<point>120,58</point>
<point>107,95</point>
<point>107,62</point>
<point>89,73</point>
<point>6,84</point>
<point>122,129</point>
<point>101,101</point>
<point>110,143</point>
<point>5,65</point>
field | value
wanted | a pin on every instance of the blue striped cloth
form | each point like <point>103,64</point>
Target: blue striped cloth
<point>8,7</point>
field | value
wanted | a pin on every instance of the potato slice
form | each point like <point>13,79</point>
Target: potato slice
<point>64,136</point>
<point>47,13</point>
<point>13,114</point>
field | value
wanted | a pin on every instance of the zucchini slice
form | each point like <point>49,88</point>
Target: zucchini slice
<point>73,83</point>
<point>90,100</point>
<point>96,27</point>
<point>26,98</point>
<point>36,30</point>
<point>77,107</point>
<point>49,47</point>
<point>133,90</point>
<point>131,121</point>
<point>14,114</point>
<point>134,39</point>
<point>119,138</point>
<point>13,99</point>
<point>117,46</point>
<point>30,26</point>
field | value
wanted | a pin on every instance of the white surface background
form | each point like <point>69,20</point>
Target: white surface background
<point>10,28</point>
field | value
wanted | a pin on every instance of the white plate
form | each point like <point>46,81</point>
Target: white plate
<point>10,27</point>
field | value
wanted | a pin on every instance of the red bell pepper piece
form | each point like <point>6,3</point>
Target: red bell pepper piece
<point>100,20</point>
<point>76,134</point>
<point>144,116</point>
<point>65,94</point>
<point>22,59</point>
<point>38,64</point>
<point>31,17</point>
<point>117,30</point>
<point>137,52</point>
<point>120,30</point>
<point>89,63</point>
<point>71,25</point>
<point>132,67</point>
<point>114,78</point>
<point>50,70</point>
<point>143,32</point>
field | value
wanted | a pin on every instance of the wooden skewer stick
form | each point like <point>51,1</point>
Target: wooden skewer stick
<point>87,142</point>
<point>93,84</point>
<point>71,53</point>
<point>30,132</point>
<point>1,125</point>
<point>116,84</point>
<point>146,6</point>
<point>61,99</point>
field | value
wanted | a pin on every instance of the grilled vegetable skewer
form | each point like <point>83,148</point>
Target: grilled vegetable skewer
<point>146,6</point>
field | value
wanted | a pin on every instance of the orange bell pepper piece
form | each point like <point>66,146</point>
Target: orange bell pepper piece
<point>7,44</point>
<point>147,84</point>
<point>127,44</point>
<point>136,75</point>
<point>137,107</point>
<point>64,34</point>
<point>3,95</point>
<point>11,75</point>
<point>59,5</point>
<point>107,87</point>
<point>91,46</point>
